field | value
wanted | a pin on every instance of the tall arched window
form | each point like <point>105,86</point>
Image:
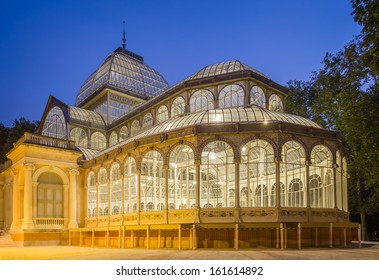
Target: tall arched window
<point>135,128</point>
<point>339,180</point>
<point>315,191</point>
<point>231,96</point>
<point>123,133</point>
<point>130,186</point>
<point>217,175</point>
<point>98,141</point>
<point>55,124</point>
<point>257,97</point>
<point>147,121</point>
<point>322,164</point>
<point>182,179</point>
<point>78,135</point>
<point>296,193</point>
<point>293,173</point>
<point>152,182</point>
<point>178,107</point>
<point>275,103</point>
<point>113,139</point>
<point>257,171</point>
<point>115,189</point>
<point>344,184</point>
<point>162,114</point>
<point>201,100</point>
<point>103,192</point>
<point>91,195</point>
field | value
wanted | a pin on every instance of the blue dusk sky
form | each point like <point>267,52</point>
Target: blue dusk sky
<point>51,47</point>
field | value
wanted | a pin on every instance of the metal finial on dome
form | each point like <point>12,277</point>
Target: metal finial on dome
<point>123,36</point>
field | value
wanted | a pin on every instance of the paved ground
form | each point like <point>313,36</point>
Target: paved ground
<point>369,251</point>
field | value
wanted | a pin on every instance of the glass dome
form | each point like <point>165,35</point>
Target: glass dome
<point>223,68</point>
<point>127,71</point>
<point>254,114</point>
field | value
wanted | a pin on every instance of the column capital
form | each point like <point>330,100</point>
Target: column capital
<point>74,171</point>
<point>29,165</point>
<point>15,172</point>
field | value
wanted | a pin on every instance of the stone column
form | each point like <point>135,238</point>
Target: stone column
<point>35,204</point>
<point>73,223</point>
<point>15,200</point>
<point>66,204</point>
<point>28,197</point>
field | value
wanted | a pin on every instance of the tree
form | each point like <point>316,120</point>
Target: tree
<point>8,136</point>
<point>344,96</point>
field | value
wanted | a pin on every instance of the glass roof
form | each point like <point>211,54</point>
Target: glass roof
<point>87,153</point>
<point>127,71</point>
<point>222,68</point>
<point>221,116</point>
<point>86,117</point>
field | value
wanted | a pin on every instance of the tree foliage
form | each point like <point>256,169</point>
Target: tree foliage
<point>344,96</point>
<point>8,136</point>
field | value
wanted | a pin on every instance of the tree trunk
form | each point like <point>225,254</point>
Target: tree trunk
<point>362,212</point>
<point>364,225</point>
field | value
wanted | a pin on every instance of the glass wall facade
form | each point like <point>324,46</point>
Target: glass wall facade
<point>55,124</point>
<point>259,173</point>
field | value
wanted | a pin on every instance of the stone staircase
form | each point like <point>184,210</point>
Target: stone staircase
<point>6,241</point>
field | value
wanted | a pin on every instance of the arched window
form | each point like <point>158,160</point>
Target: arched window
<point>130,186</point>
<point>135,128</point>
<point>217,174</point>
<point>162,114</point>
<point>55,124</point>
<point>113,139</point>
<point>275,103</point>
<point>296,193</point>
<point>103,192</point>
<point>98,141</point>
<point>91,195</point>
<point>79,136</point>
<point>49,196</point>
<point>182,179</point>
<point>257,97</point>
<point>339,180</point>
<point>322,164</point>
<point>315,191</point>
<point>201,100</point>
<point>231,96</point>
<point>123,133</point>
<point>344,184</point>
<point>178,107</point>
<point>257,169</point>
<point>293,173</point>
<point>115,188</point>
<point>152,180</point>
<point>147,121</point>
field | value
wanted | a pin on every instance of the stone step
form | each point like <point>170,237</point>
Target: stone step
<point>6,241</point>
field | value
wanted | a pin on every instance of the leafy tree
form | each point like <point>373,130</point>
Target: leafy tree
<point>344,96</point>
<point>8,136</point>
